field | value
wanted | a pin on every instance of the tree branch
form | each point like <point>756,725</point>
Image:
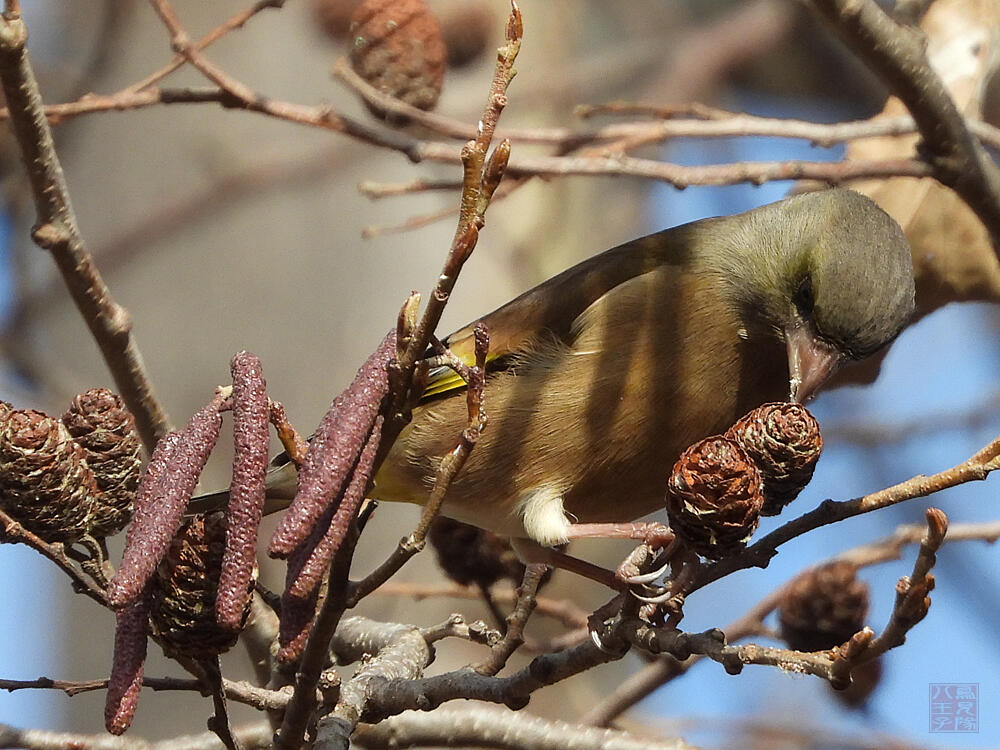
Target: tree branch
<point>492,726</point>
<point>759,554</point>
<point>57,231</point>
<point>897,54</point>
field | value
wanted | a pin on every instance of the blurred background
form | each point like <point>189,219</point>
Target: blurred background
<point>222,230</point>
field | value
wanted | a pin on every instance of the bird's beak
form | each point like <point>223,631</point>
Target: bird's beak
<point>810,362</point>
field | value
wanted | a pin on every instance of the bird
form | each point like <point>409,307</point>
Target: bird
<point>598,378</point>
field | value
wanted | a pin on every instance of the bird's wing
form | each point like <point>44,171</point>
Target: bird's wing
<point>550,310</point>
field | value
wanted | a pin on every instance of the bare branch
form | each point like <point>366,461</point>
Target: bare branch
<point>11,532</point>
<point>896,53</point>
<point>57,231</point>
<point>231,24</point>
<point>395,651</point>
<point>500,727</point>
<point>759,554</point>
<point>563,610</point>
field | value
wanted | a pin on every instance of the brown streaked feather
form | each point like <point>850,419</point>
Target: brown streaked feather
<point>643,402</point>
<point>550,310</point>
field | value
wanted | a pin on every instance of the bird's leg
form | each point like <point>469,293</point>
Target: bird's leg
<point>531,551</point>
<point>655,534</point>
<point>642,578</point>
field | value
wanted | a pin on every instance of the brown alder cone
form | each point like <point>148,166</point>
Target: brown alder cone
<point>397,47</point>
<point>105,429</point>
<point>467,27</point>
<point>471,555</point>
<point>865,678</point>
<point>823,607</point>
<point>45,483</point>
<point>334,16</point>
<point>182,611</point>
<point>784,441</point>
<point>714,497</point>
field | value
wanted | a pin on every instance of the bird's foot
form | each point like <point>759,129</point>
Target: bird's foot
<point>680,565</point>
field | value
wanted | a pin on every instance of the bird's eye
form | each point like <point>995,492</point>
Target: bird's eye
<point>803,297</point>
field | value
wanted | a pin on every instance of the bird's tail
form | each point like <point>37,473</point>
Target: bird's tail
<point>207,503</point>
<point>282,483</point>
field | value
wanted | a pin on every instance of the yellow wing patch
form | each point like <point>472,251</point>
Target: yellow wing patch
<point>445,380</point>
<point>442,380</point>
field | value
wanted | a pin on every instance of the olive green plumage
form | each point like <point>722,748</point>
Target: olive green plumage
<point>601,376</point>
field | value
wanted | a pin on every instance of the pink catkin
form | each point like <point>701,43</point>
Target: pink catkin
<point>308,564</point>
<point>160,508</point>
<point>335,449</point>
<point>293,631</point>
<point>127,665</point>
<point>125,585</point>
<point>246,493</point>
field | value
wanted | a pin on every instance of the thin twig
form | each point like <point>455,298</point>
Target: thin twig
<point>11,532</point>
<point>231,24</point>
<point>722,123</point>
<point>912,600</point>
<point>57,231</point>
<point>897,54</point>
<point>451,464</point>
<point>516,620</point>
<point>759,554</point>
<point>219,723</point>
<point>666,668</point>
<point>698,121</point>
<point>564,611</point>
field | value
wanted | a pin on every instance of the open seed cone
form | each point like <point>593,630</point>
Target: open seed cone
<point>105,429</point>
<point>823,608</point>
<point>714,497</point>
<point>784,440</point>
<point>182,614</point>
<point>45,483</point>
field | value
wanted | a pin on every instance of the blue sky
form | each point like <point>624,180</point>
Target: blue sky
<point>944,365</point>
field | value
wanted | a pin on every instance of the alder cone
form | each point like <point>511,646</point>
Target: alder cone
<point>784,440</point>
<point>398,49</point>
<point>865,679</point>
<point>823,608</point>
<point>334,16</point>
<point>467,27</point>
<point>182,610</point>
<point>105,429</point>
<point>469,555</point>
<point>45,483</point>
<point>714,497</point>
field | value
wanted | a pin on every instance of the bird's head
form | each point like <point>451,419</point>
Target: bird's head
<point>829,273</point>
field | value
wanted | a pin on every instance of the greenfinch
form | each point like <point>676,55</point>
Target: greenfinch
<point>598,378</point>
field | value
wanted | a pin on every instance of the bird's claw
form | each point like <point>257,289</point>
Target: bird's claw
<point>652,594</point>
<point>644,578</point>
